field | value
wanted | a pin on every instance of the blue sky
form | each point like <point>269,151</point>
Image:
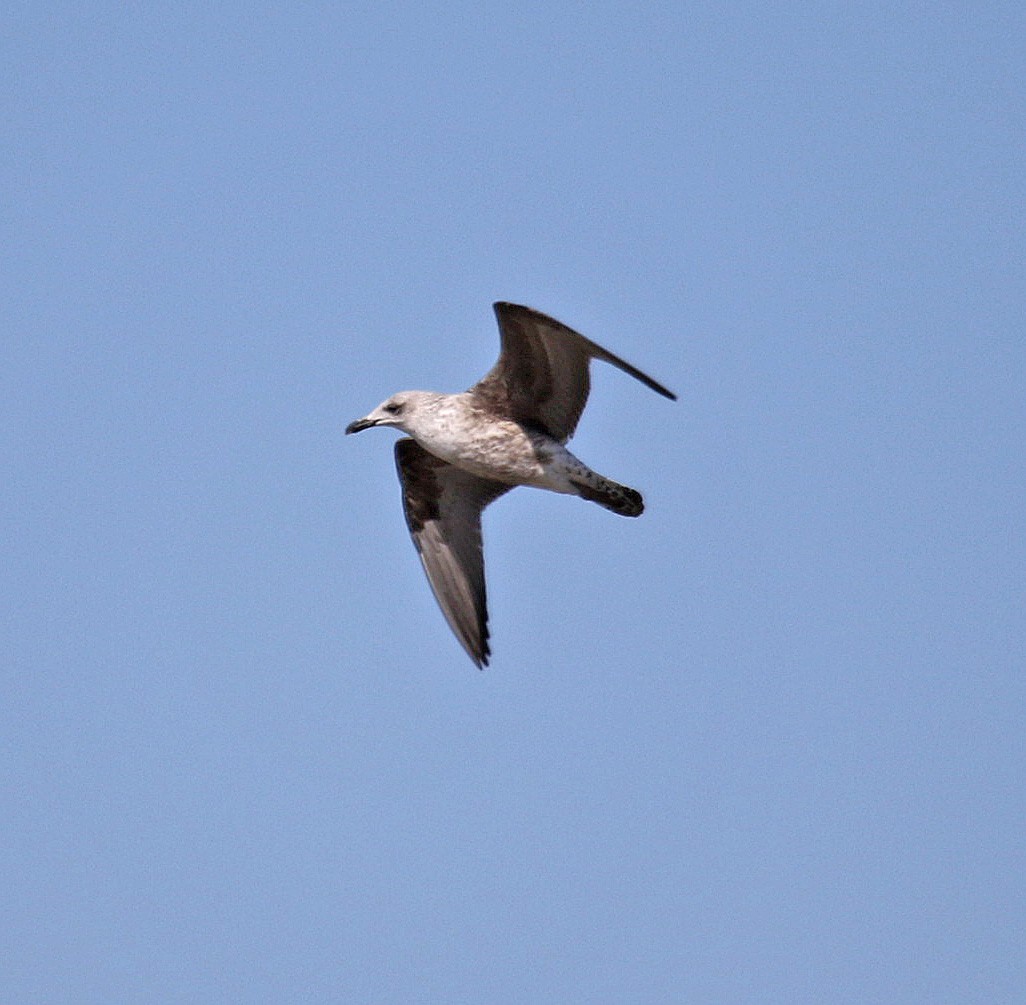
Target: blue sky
<point>762,744</point>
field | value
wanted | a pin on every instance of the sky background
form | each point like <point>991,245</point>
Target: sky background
<point>763,744</point>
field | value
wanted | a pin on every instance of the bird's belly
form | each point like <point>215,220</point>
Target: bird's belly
<point>505,452</point>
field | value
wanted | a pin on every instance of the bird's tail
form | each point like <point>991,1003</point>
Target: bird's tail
<point>619,498</point>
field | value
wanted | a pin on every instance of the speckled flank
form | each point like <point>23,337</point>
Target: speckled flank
<point>455,429</point>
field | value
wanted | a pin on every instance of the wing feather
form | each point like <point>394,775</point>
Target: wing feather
<point>443,506</point>
<point>541,377</point>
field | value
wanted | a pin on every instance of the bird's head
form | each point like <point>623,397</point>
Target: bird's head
<point>395,411</point>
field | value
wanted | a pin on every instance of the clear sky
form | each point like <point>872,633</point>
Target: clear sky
<point>764,743</point>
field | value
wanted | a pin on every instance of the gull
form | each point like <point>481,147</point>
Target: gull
<point>463,451</point>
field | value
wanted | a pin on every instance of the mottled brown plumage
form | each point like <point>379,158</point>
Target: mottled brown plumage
<point>443,506</point>
<point>541,377</point>
<point>468,449</point>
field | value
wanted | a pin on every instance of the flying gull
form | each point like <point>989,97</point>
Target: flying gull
<point>465,450</point>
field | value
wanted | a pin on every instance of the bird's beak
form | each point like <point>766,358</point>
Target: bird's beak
<point>360,424</point>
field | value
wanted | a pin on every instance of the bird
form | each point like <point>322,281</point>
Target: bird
<point>463,451</point>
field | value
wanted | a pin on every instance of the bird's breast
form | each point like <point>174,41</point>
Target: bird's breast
<point>500,450</point>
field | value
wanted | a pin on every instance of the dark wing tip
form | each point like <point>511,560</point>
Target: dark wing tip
<point>664,391</point>
<point>478,648</point>
<point>505,307</point>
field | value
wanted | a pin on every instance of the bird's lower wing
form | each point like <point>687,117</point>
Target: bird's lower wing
<point>443,506</point>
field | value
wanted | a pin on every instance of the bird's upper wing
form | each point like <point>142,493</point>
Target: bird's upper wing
<point>541,377</point>
<point>443,507</point>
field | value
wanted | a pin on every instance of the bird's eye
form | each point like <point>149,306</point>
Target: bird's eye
<point>393,407</point>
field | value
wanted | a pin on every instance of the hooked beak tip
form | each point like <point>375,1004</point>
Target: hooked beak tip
<point>359,424</point>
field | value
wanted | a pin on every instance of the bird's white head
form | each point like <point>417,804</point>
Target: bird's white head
<point>396,411</point>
